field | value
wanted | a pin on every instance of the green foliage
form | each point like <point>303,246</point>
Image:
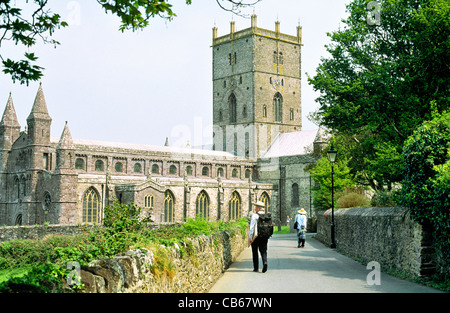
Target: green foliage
<point>352,198</point>
<point>322,176</point>
<point>426,187</point>
<point>382,81</point>
<point>124,229</point>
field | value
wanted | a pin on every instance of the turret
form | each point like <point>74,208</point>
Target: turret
<point>9,131</point>
<point>39,121</point>
<point>65,151</point>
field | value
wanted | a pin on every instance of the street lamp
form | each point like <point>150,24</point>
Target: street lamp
<point>332,158</point>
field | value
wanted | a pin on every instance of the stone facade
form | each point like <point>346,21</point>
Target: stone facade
<point>69,181</point>
<point>256,88</point>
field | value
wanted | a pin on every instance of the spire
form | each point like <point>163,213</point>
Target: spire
<point>39,109</point>
<point>65,142</point>
<point>9,117</point>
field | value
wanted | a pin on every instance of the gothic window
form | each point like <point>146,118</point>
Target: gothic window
<point>234,173</point>
<point>247,145</point>
<point>79,164</point>
<point>275,57</point>
<point>295,195</point>
<point>148,201</point>
<point>118,167</point>
<point>291,114</point>
<point>234,206</point>
<point>266,200</point>
<point>99,166</point>
<point>169,201</point>
<point>280,58</point>
<point>46,161</point>
<point>91,206</point>
<point>155,169</point>
<point>278,107</point>
<point>205,171</point>
<point>264,110</point>
<point>220,172</point>
<point>233,108</point>
<point>202,205</point>
<point>189,170</point>
<point>244,111</point>
<point>172,170</point>
<point>18,220</point>
<point>137,168</point>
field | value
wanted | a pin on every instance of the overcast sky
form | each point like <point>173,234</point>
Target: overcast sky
<point>145,86</point>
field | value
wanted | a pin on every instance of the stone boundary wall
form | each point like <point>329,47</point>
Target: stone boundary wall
<point>131,272</point>
<point>386,235</point>
<point>38,231</point>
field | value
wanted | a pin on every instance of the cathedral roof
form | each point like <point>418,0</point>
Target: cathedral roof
<point>293,143</point>
<point>94,145</point>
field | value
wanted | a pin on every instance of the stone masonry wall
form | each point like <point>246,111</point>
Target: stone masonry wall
<point>386,235</point>
<point>37,231</point>
<point>132,272</point>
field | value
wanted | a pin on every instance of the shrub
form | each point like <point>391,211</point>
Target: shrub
<point>426,186</point>
<point>352,198</point>
<point>384,198</point>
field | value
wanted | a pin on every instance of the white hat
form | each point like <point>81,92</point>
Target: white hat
<point>259,204</point>
<point>302,211</point>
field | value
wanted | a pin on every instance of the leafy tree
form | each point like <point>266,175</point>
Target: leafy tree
<point>380,81</point>
<point>16,26</point>
<point>426,187</point>
<point>322,177</point>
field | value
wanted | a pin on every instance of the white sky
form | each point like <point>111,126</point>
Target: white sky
<point>145,86</point>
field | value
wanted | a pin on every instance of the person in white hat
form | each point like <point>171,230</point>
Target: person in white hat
<point>258,243</point>
<point>300,219</point>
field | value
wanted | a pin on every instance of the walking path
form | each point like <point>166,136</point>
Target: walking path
<point>315,268</point>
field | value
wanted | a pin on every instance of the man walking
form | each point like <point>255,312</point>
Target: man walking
<point>256,239</point>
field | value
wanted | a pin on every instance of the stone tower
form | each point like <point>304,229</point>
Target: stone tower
<point>256,88</point>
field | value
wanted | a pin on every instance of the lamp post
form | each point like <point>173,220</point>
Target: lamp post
<point>332,158</point>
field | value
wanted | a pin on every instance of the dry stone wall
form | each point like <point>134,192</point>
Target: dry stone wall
<point>388,236</point>
<point>191,272</point>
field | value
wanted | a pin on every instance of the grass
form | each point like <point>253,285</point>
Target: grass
<point>284,230</point>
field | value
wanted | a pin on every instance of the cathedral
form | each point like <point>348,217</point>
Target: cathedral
<point>260,152</point>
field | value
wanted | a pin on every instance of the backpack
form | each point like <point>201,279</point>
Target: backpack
<point>265,225</point>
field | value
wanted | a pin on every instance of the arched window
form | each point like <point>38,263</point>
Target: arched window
<point>233,108</point>
<point>205,171</point>
<point>118,167</point>
<point>278,107</point>
<point>220,172</point>
<point>234,206</point>
<point>169,204</point>
<point>202,205</point>
<point>18,220</point>
<point>137,168</point>
<point>99,166</point>
<point>172,170</point>
<point>91,206</point>
<point>148,201</point>
<point>248,173</point>
<point>266,200</point>
<point>234,173</point>
<point>295,196</point>
<point>155,169</point>
<point>79,164</point>
<point>189,170</point>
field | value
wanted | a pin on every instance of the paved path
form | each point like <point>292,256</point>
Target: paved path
<point>315,268</point>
